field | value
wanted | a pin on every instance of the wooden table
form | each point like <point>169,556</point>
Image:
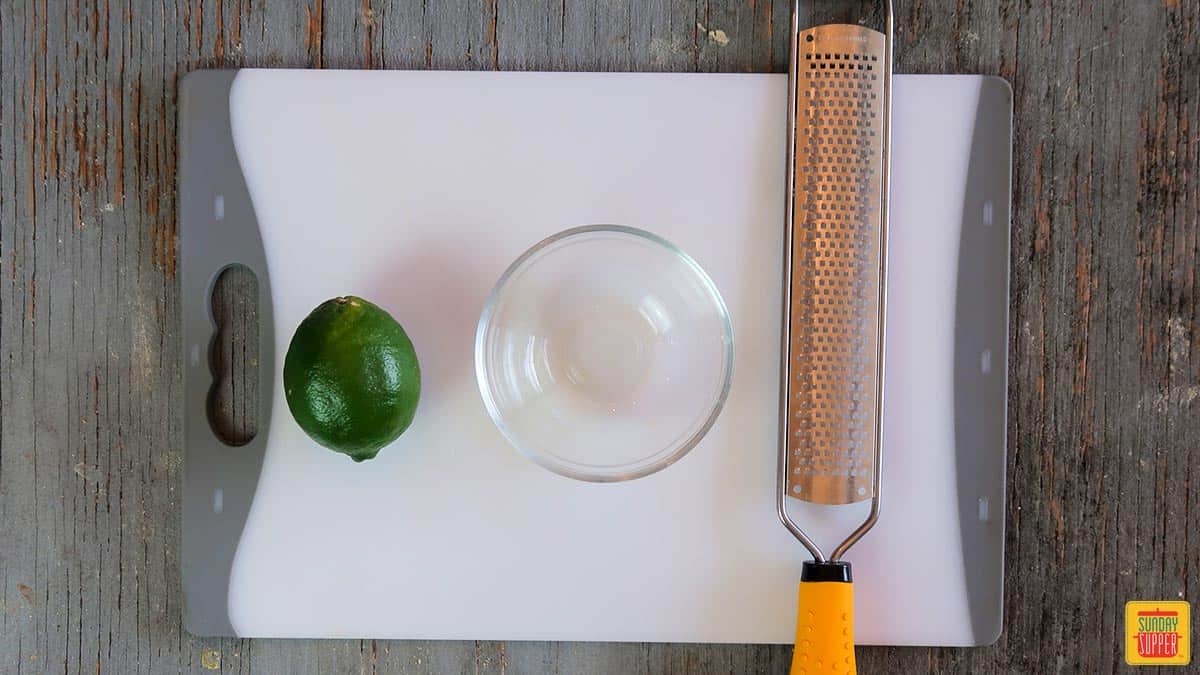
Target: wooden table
<point>1103,502</point>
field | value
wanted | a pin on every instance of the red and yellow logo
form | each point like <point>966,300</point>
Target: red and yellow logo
<point>1158,633</point>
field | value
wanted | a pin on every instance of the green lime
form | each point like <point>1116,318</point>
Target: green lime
<point>351,377</point>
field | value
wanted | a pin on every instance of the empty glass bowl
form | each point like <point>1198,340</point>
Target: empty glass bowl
<point>604,353</point>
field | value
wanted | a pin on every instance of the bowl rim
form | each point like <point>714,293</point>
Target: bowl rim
<point>631,470</point>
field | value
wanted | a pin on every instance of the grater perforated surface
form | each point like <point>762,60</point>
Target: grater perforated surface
<point>833,348</point>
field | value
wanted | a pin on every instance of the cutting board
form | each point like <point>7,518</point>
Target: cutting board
<point>416,190</point>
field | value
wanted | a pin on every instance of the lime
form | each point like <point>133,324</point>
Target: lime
<point>351,377</point>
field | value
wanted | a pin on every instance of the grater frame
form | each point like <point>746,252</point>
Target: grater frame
<point>821,476</point>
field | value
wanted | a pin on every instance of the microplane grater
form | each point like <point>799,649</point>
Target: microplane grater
<point>835,300</point>
<point>836,259</point>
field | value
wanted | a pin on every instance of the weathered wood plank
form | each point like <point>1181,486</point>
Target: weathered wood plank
<point>1105,400</point>
<point>233,402</point>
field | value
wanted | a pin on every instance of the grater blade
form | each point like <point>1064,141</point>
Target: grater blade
<point>838,235</point>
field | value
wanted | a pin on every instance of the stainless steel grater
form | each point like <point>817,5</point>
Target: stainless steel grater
<point>834,305</point>
<point>836,227</point>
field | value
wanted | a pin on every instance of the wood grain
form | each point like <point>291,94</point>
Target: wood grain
<point>1103,500</point>
<point>233,359</point>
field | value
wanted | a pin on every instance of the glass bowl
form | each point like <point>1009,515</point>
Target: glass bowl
<point>604,353</point>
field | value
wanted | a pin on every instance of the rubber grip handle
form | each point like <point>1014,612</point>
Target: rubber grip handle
<point>825,629</point>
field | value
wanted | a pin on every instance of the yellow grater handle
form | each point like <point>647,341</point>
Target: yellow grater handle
<point>825,621</point>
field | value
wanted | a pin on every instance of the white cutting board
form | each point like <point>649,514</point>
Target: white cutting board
<point>416,190</point>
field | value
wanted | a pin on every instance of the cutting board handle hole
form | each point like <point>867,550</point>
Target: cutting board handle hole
<point>233,400</point>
